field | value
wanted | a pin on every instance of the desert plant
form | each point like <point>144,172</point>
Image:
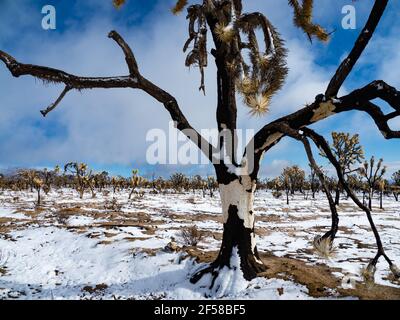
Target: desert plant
<point>82,175</point>
<point>348,152</point>
<point>135,181</point>
<point>38,184</point>
<point>277,194</point>
<point>113,205</point>
<point>382,186</point>
<point>292,179</point>
<point>372,174</point>
<point>191,235</point>
<point>211,185</point>
<point>196,183</point>
<point>396,185</point>
<point>179,182</point>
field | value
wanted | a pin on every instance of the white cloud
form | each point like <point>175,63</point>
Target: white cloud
<point>275,168</point>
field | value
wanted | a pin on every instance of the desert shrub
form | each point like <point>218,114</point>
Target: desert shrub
<point>191,236</point>
<point>277,194</point>
<point>179,182</point>
<point>62,218</point>
<point>112,205</point>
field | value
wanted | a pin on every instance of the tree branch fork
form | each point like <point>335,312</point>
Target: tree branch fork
<point>134,80</point>
<point>324,105</point>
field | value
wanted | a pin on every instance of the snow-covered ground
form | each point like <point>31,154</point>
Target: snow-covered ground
<point>100,249</point>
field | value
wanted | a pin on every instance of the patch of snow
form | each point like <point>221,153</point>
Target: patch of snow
<point>10,213</point>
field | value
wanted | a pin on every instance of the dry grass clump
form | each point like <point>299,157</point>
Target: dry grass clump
<point>277,194</point>
<point>191,236</point>
<point>112,205</point>
<point>324,246</point>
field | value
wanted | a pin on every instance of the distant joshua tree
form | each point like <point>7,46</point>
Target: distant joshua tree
<point>284,182</point>
<point>235,36</point>
<point>349,153</point>
<point>33,180</point>
<point>292,179</point>
<point>396,185</point>
<point>314,181</point>
<point>135,182</point>
<point>83,177</point>
<point>179,182</point>
<point>372,175</point>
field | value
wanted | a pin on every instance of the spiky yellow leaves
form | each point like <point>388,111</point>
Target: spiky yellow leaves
<point>258,104</point>
<point>247,86</point>
<point>82,166</point>
<point>225,33</point>
<point>263,61</point>
<point>303,20</point>
<point>180,5</point>
<point>118,3</point>
<point>37,182</point>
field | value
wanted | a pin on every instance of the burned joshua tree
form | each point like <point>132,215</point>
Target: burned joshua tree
<point>372,173</point>
<point>348,152</point>
<point>235,33</point>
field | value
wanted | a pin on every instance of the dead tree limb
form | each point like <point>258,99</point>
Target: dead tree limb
<point>135,80</point>
<point>324,244</point>
<point>324,146</point>
<point>365,36</point>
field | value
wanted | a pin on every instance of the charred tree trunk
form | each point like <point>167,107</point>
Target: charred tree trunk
<point>39,200</point>
<point>337,196</point>
<point>238,236</point>
<point>370,195</point>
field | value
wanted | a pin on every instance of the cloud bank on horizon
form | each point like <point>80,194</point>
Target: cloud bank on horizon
<point>108,128</point>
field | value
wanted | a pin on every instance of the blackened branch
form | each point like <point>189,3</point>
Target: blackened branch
<point>55,104</point>
<point>323,145</point>
<point>129,56</point>
<point>378,89</point>
<point>134,81</point>
<point>365,36</point>
<point>52,75</point>
<point>299,136</point>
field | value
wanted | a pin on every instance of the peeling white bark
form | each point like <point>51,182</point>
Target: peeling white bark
<point>325,110</point>
<point>239,194</point>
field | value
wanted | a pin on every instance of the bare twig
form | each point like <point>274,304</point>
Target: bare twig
<point>55,104</point>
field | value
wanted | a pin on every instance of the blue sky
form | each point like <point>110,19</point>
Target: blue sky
<point>107,129</point>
